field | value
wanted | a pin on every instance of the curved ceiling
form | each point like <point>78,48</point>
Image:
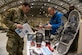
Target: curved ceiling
<point>61,5</point>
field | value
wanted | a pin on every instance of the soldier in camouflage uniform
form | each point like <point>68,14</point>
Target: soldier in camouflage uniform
<point>14,18</point>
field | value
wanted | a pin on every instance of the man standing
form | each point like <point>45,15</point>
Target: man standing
<point>71,8</point>
<point>53,25</point>
<point>56,20</point>
<point>15,18</point>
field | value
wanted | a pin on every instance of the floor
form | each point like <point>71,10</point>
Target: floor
<point>3,40</point>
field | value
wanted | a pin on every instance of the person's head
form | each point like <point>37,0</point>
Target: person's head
<point>25,7</point>
<point>71,7</point>
<point>51,10</point>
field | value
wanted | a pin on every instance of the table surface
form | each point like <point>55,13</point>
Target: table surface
<point>43,44</point>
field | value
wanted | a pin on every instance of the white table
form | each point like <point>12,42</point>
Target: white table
<point>29,47</point>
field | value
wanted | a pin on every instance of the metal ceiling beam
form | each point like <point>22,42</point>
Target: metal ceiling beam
<point>11,7</point>
<point>8,3</point>
<point>70,4</point>
<point>64,2</point>
<point>49,3</point>
<point>34,6</point>
<point>45,7</point>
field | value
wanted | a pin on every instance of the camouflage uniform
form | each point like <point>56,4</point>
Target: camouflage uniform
<point>15,44</point>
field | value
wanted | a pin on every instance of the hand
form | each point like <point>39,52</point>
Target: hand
<point>48,26</point>
<point>19,26</point>
<point>40,26</point>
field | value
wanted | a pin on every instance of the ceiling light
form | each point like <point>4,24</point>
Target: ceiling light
<point>64,11</point>
<point>31,7</point>
<point>32,15</point>
<point>47,16</point>
<point>78,5</point>
<point>20,1</point>
<point>43,11</point>
<point>61,4</point>
<point>40,12</point>
<point>42,7</point>
<point>55,6</point>
<point>44,4</point>
<point>68,0</point>
<point>33,0</point>
<point>4,9</point>
<point>32,3</point>
<point>48,0</point>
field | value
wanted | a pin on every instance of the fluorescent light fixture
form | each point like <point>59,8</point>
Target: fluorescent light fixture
<point>4,9</point>
<point>42,7</point>
<point>68,0</point>
<point>31,7</point>
<point>55,6</point>
<point>78,5</point>
<point>32,3</point>
<point>32,15</point>
<point>20,1</point>
<point>33,0</point>
<point>40,12</point>
<point>43,11</point>
<point>48,0</point>
<point>61,4</point>
<point>44,4</point>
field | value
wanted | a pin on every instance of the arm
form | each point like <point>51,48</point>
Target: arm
<point>66,15</point>
<point>8,20</point>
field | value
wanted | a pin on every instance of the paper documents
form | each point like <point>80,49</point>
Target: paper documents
<point>22,32</point>
<point>46,51</point>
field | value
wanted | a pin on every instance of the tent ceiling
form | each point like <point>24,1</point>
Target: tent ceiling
<point>61,5</point>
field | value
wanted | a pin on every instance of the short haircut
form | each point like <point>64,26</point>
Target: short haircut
<point>53,8</point>
<point>26,4</point>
